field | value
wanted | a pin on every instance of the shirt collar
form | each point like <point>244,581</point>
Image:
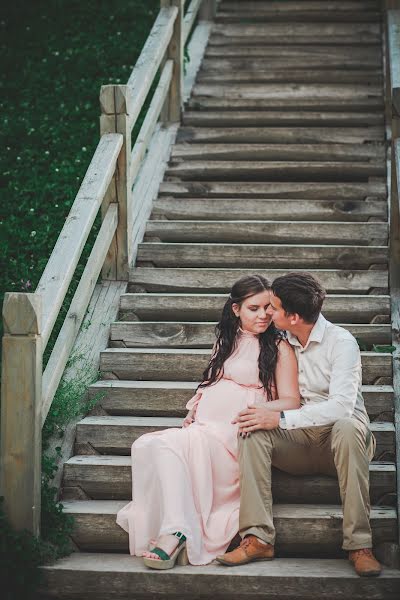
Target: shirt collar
<point>316,335</point>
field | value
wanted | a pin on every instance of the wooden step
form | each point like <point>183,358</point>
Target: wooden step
<point>208,281</point>
<point>223,57</point>
<point>303,16</point>
<point>278,152</point>
<point>170,334</point>
<point>208,307</point>
<point>265,118</point>
<point>289,578</point>
<point>238,170</point>
<point>288,7</point>
<point>102,477</point>
<point>254,255</point>
<point>280,135</point>
<point>285,190</point>
<point>169,398</point>
<point>302,530</point>
<point>288,104</point>
<point>284,90</point>
<point>264,232</point>
<point>116,434</point>
<point>269,118</point>
<point>214,209</point>
<point>300,33</point>
<point>210,75</point>
<point>172,364</point>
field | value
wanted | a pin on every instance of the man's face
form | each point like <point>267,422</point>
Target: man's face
<point>278,315</point>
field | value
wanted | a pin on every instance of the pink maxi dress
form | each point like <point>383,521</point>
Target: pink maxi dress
<point>188,479</point>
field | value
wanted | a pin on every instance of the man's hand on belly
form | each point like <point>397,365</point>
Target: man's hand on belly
<point>256,417</point>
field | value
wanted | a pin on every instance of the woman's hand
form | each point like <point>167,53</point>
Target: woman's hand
<point>189,419</point>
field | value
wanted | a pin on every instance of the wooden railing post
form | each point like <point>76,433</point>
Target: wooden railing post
<point>172,109</point>
<point>115,119</point>
<point>21,427</point>
<point>207,10</point>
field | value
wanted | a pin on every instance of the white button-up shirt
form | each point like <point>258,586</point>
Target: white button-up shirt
<point>329,377</point>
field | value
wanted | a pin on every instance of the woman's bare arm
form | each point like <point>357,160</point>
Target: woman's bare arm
<point>286,380</point>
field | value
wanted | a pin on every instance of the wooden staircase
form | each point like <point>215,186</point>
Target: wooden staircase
<point>279,164</point>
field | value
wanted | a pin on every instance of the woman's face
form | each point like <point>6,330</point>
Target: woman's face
<point>253,313</point>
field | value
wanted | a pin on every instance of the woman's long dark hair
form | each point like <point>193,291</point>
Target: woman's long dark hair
<point>226,332</point>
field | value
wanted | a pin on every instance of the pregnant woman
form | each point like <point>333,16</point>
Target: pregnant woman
<point>186,494</point>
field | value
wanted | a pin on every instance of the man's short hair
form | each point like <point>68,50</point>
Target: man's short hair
<point>300,293</point>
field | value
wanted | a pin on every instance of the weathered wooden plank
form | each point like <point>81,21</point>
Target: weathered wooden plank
<point>21,431</point>
<point>254,255</point>
<point>273,232</point>
<point>157,334</point>
<point>238,170</point>
<point>281,135</point>
<point>195,50</point>
<point>279,152</point>
<point>394,50</point>
<point>299,16</point>
<point>290,6</point>
<point>211,75</point>
<point>283,90</point>
<point>270,118</point>
<point>285,190</point>
<point>110,478</point>
<point>172,364</point>
<point>171,112</point>
<point>324,55</point>
<point>77,310</point>
<point>221,280</point>
<point>190,18</point>
<point>302,529</point>
<point>169,398</point>
<point>208,307</point>
<point>171,208</point>
<point>316,104</point>
<point>61,266</point>
<point>278,30</point>
<point>294,577</point>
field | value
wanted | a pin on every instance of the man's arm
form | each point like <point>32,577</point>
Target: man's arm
<point>343,389</point>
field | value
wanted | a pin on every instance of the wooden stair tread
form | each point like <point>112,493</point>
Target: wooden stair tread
<point>301,528</point>
<point>285,190</point>
<point>259,208</point>
<point>221,280</point>
<point>210,75</point>
<point>200,334</point>
<point>148,306</point>
<point>169,398</point>
<point>110,477</point>
<point>285,232</point>
<point>97,573</point>
<point>265,118</point>
<point>327,104</point>
<point>204,254</point>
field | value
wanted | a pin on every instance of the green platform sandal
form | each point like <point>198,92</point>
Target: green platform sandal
<point>166,561</point>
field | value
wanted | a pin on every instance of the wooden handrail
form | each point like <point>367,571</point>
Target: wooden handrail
<point>54,282</point>
<point>27,392</point>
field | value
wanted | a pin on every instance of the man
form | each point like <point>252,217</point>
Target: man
<point>328,434</point>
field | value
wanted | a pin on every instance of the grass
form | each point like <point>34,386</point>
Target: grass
<point>54,56</point>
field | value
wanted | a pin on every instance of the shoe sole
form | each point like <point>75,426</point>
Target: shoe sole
<point>243,562</point>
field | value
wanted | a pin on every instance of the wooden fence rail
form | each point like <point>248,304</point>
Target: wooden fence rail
<point>109,184</point>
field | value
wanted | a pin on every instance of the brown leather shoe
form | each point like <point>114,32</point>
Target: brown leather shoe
<point>364,562</point>
<point>250,549</point>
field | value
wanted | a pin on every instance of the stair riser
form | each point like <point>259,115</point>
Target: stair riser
<point>209,281</point>
<point>119,439</point>
<point>302,537</point>
<point>290,257</point>
<point>264,119</point>
<point>115,483</point>
<point>202,335</point>
<point>284,190</point>
<point>171,402</point>
<point>299,16</point>
<point>206,103</point>
<point>175,307</point>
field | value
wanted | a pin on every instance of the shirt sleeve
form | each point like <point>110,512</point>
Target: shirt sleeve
<point>343,389</point>
<point>193,402</point>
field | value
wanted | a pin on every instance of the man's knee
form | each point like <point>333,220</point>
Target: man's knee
<point>348,433</point>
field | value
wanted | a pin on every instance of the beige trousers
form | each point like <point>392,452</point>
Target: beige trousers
<point>343,450</point>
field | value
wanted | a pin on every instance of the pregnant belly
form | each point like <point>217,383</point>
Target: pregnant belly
<point>223,401</point>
